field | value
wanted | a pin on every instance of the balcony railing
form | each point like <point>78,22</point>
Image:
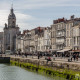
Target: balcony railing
<point>60,43</point>
<point>76,45</point>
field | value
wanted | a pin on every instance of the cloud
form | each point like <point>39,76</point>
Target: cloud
<point>36,4</point>
<point>34,18</point>
<point>21,19</point>
<point>3,18</point>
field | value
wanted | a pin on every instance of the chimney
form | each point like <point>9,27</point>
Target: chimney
<point>72,17</point>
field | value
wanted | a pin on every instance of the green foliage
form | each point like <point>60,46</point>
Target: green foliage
<point>64,73</point>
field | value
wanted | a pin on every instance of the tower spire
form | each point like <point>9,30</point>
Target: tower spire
<point>12,8</point>
<point>12,5</point>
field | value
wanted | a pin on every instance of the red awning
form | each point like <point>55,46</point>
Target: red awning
<point>75,50</point>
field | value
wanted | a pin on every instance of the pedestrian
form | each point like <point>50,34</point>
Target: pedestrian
<point>38,55</point>
<point>26,55</point>
<point>71,56</point>
<point>77,57</point>
<point>74,56</point>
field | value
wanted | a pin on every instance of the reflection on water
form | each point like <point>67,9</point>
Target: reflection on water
<point>16,73</point>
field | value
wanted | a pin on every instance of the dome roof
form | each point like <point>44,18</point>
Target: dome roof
<point>11,15</point>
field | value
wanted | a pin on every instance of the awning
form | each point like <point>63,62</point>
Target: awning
<point>64,50</point>
<point>53,50</point>
<point>75,50</point>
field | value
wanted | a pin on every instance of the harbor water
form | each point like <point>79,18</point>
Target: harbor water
<point>8,72</point>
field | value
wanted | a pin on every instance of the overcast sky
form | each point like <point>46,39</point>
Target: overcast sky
<point>34,13</point>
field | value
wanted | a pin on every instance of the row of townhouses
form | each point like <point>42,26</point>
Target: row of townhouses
<point>38,39</point>
<point>63,35</point>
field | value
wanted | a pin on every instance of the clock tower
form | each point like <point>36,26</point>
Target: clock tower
<point>10,32</point>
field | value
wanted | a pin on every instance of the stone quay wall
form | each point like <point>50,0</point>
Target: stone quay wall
<point>52,64</point>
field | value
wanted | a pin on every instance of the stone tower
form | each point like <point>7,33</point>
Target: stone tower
<point>12,19</point>
<point>10,32</point>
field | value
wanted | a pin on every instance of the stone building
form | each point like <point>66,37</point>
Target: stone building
<point>70,26</point>
<point>40,46</point>
<point>62,32</point>
<point>36,42</point>
<point>22,43</point>
<point>1,42</point>
<point>27,39</point>
<point>76,37</point>
<point>10,31</point>
<point>61,37</point>
<point>37,36</point>
<point>19,43</point>
<point>53,37</point>
<point>32,41</point>
<point>58,34</point>
<point>47,39</point>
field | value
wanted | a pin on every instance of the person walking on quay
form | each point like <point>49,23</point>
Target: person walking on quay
<point>74,56</point>
<point>26,54</point>
<point>53,57</point>
<point>70,56</point>
<point>77,57</point>
<point>38,55</point>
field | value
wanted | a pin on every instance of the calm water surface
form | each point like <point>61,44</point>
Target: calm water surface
<point>16,73</point>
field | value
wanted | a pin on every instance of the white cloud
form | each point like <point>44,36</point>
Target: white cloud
<point>36,4</point>
<point>25,26</point>
<point>22,16</point>
<point>21,19</point>
<point>3,18</point>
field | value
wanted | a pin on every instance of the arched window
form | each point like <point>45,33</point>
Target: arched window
<point>13,23</point>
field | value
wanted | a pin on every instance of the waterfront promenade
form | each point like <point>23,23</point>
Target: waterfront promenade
<point>57,62</point>
<point>54,59</point>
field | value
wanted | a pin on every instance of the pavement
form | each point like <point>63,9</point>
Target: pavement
<point>54,59</point>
